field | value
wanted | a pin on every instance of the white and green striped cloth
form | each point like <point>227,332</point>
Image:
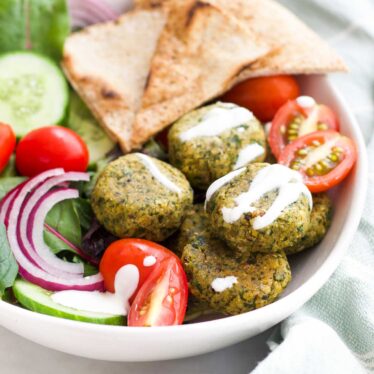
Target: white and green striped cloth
<point>334,331</point>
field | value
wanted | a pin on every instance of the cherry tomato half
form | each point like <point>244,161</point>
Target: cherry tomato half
<point>162,300</point>
<point>324,158</point>
<point>51,147</point>
<point>7,144</point>
<point>293,120</point>
<point>130,251</point>
<point>264,96</point>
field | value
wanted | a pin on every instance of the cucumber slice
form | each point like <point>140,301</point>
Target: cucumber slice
<point>84,124</point>
<point>39,300</point>
<point>33,92</point>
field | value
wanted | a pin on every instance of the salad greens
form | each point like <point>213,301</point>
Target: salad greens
<point>38,25</point>
<point>8,183</point>
<point>71,219</point>
<point>8,264</point>
<point>10,170</point>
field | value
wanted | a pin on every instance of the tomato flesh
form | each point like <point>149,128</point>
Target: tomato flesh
<point>264,95</point>
<point>7,144</point>
<point>130,251</point>
<point>162,300</point>
<point>51,147</point>
<point>324,158</point>
<point>293,120</point>
<point>162,292</point>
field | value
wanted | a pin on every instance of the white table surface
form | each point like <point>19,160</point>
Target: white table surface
<point>19,356</point>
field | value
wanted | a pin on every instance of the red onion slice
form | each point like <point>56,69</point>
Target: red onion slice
<point>42,254</point>
<point>32,228</point>
<point>28,269</point>
<point>88,12</point>
<point>5,203</point>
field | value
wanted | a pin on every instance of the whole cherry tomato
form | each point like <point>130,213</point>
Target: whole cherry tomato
<point>264,95</point>
<point>51,147</point>
<point>7,144</point>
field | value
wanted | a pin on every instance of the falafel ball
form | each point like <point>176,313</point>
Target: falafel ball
<point>194,222</point>
<point>139,196</point>
<point>320,221</point>
<point>227,284</point>
<point>209,142</point>
<point>235,220</point>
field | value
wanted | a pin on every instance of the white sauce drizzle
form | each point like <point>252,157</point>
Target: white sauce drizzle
<point>149,261</point>
<point>248,154</point>
<point>222,284</point>
<point>125,284</point>
<point>216,185</point>
<point>155,171</point>
<point>306,101</point>
<point>289,184</point>
<point>217,120</point>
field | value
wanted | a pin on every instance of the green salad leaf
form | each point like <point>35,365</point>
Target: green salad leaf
<point>71,219</point>
<point>8,183</point>
<point>38,25</point>
<point>10,169</point>
<point>8,264</point>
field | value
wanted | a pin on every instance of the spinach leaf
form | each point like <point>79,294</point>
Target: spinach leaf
<point>39,25</point>
<point>71,219</point>
<point>10,170</point>
<point>96,241</point>
<point>8,264</point>
<point>6,184</point>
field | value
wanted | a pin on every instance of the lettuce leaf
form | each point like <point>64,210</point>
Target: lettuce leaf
<point>8,183</point>
<point>38,25</point>
<point>8,264</point>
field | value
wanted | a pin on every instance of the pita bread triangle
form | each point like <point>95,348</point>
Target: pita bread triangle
<point>108,65</point>
<point>297,49</point>
<point>201,51</point>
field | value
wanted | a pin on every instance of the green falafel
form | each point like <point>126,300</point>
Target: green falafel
<point>230,285</point>
<point>320,221</point>
<point>204,158</point>
<point>235,220</point>
<point>139,196</point>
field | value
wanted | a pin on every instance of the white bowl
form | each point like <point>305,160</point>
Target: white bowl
<point>310,269</point>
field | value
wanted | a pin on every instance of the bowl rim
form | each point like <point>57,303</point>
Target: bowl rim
<point>297,297</point>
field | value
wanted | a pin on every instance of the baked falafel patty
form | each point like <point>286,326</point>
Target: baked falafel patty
<point>209,142</point>
<point>139,196</point>
<point>194,223</point>
<point>229,285</point>
<point>320,221</point>
<point>259,208</point>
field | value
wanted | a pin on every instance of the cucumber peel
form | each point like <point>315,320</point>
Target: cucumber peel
<point>39,300</point>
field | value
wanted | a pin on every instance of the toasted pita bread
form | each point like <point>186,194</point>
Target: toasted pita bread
<point>298,50</point>
<point>108,65</point>
<point>200,52</point>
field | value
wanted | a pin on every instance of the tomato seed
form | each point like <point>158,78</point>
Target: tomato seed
<point>322,126</point>
<point>302,152</point>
